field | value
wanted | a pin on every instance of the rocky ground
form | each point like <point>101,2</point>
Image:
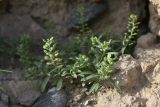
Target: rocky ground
<point>138,76</point>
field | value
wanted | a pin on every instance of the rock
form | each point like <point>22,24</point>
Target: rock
<point>113,99</point>
<point>53,98</point>
<point>146,41</point>
<point>13,26</point>
<point>106,13</point>
<point>130,74</point>
<point>22,92</point>
<point>154,23</point>
<point>149,59</point>
<point>2,104</point>
<point>90,13</point>
<point>146,97</point>
<point>44,11</point>
<point>148,64</point>
<point>4,98</point>
<point>154,76</point>
<point>111,20</point>
<point>151,94</point>
<point>147,53</point>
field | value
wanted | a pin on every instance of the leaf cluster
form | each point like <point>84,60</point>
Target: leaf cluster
<point>89,59</point>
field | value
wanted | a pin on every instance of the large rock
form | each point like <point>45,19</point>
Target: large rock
<point>13,26</point>
<point>51,11</point>
<point>22,92</point>
<point>103,13</point>
<point>53,98</point>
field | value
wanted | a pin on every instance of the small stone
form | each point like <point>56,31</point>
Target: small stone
<point>54,98</point>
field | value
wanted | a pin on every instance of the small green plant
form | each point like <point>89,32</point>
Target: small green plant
<point>53,60</point>
<point>23,50</point>
<point>102,59</point>
<point>131,36</point>
<point>90,61</point>
<point>92,67</point>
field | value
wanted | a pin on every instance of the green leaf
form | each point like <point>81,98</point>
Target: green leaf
<point>59,84</point>
<point>83,73</point>
<point>44,83</point>
<point>94,88</point>
<point>93,76</point>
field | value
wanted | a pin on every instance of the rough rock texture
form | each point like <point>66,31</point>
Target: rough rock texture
<point>53,98</point>
<point>22,92</point>
<point>130,75</point>
<point>146,97</point>
<point>154,23</point>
